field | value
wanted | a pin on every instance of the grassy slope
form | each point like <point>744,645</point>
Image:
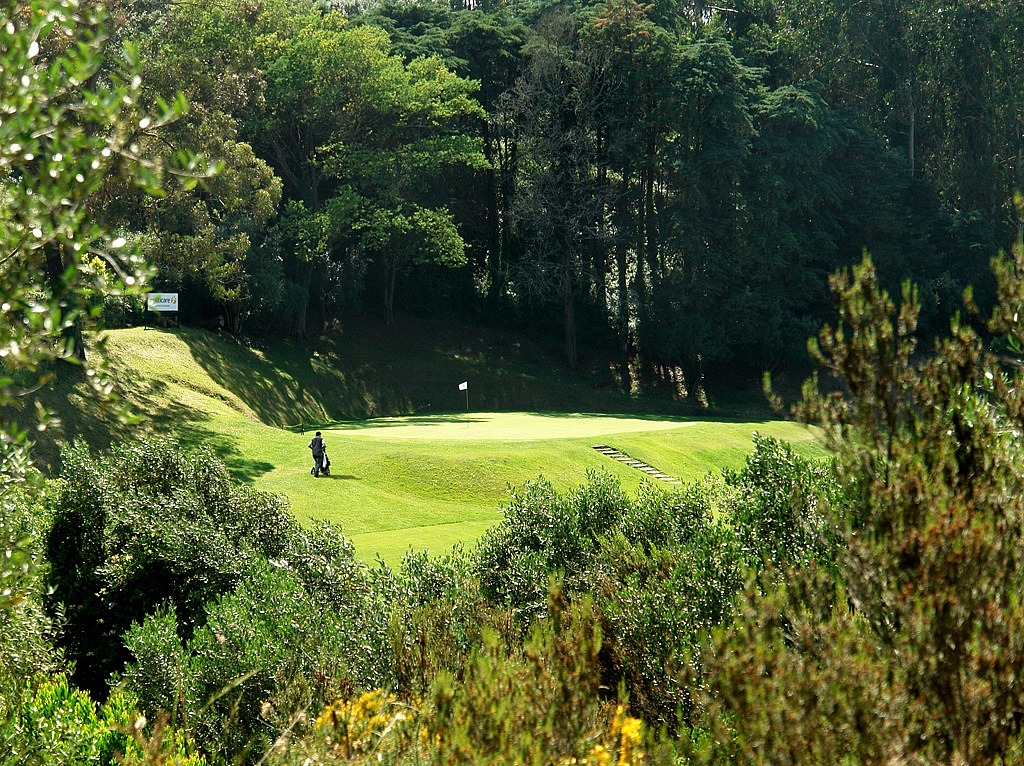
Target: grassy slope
<point>424,482</point>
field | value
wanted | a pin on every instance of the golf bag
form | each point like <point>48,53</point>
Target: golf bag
<point>325,466</point>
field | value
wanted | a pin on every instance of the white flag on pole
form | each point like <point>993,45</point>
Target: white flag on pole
<point>464,385</point>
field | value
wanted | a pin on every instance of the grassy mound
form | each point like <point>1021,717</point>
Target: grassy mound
<point>409,469</point>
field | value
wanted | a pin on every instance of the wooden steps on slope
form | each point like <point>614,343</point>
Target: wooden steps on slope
<point>640,465</point>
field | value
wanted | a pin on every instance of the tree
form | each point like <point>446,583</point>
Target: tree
<point>488,47</point>
<point>702,262</point>
<point>118,546</point>
<point>66,136</point>
<point>939,80</point>
<point>358,136</point>
<point>911,653</point>
<point>637,123</point>
<point>555,106</point>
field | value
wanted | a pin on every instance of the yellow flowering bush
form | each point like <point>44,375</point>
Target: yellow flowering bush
<point>623,744</point>
<point>360,726</point>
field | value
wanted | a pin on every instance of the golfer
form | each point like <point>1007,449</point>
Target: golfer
<point>317,445</point>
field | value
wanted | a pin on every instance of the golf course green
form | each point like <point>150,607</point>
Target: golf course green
<point>397,483</point>
<point>430,482</point>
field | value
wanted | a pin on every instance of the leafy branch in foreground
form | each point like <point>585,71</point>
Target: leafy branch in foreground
<point>71,129</point>
<point>913,654</point>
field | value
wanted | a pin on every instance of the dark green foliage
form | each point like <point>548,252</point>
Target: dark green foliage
<point>141,527</point>
<point>912,652</point>
<point>266,653</point>
<point>675,573</point>
<point>438,618</point>
<point>301,628</point>
<point>543,533</point>
<point>655,606</point>
<point>785,507</point>
<point>682,177</point>
<point>26,632</point>
<point>793,680</point>
<point>324,562</point>
<point>523,706</point>
<point>664,569</point>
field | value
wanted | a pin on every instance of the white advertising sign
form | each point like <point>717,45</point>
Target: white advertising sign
<point>162,301</point>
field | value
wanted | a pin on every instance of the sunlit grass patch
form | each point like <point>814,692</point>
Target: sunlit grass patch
<point>426,481</point>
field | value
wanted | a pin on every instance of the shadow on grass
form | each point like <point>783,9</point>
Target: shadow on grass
<point>188,427</point>
<point>699,417</point>
<point>83,417</point>
<point>399,420</point>
<point>447,419</point>
<point>278,392</point>
<point>368,371</point>
<point>293,386</point>
<point>192,435</point>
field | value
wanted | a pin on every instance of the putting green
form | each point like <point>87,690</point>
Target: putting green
<point>505,426</point>
<point>431,481</point>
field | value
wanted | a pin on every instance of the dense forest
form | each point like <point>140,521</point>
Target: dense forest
<point>693,186</point>
<point>672,183</point>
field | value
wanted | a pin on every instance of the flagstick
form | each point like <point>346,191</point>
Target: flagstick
<point>467,398</point>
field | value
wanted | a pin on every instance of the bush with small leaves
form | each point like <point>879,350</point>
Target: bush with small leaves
<point>437,618</point>
<point>908,649</point>
<point>543,533</point>
<point>785,512</point>
<point>325,563</point>
<point>265,655</point>
<point>539,703</point>
<point>59,725</point>
<point>656,606</point>
<point>142,526</point>
<point>26,632</point>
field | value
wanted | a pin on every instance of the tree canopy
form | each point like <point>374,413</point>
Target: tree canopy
<point>667,183</point>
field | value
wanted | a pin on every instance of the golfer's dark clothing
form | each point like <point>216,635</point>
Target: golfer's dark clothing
<point>317,445</point>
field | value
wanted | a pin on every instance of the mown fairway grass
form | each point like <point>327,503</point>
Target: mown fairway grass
<point>424,481</point>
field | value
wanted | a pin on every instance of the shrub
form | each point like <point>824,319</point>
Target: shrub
<point>784,513</point>
<point>437,618</point>
<point>58,725</point>
<point>26,633</point>
<point>656,607</point>
<point>664,569</point>
<point>543,533</point>
<point>266,654</point>
<point>373,724</point>
<point>539,704</point>
<point>143,526</point>
<point>325,563</point>
<point>914,656</point>
<point>659,519</point>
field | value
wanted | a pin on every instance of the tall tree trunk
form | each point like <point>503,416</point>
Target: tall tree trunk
<point>569,311</point>
<point>55,268</point>
<point>300,329</point>
<point>650,225</point>
<point>495,251</point>
<point>598,248</point>
<point>389,295</point>
<point>911,149</point>
<point>622,272</point>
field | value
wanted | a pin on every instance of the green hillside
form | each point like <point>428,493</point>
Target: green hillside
<point>411,468</point>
